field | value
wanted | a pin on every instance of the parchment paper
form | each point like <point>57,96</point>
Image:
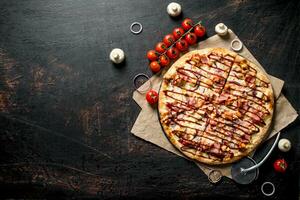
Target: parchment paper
<point>147,124</point>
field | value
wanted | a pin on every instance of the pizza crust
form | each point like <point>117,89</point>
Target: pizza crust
<point>256,138</point>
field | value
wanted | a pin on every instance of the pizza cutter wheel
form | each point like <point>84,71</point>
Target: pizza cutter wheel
<point>246,170</point>
<point>244,178</point>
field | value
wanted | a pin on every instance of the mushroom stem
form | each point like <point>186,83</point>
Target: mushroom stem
<point>116,56</point>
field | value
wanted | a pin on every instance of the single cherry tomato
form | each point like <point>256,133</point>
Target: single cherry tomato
<point>280,165</point>
<point>169,40</point>
<point>191,38</point>
<point>152,96</point>
<point>152,55</point>
<point>199,30</point>
<point>164,60</point>
<point>182,45</point>
<point>173,53</point>
<point>187,24</point>
<point>154,66</point>
<point>161,47</point>
<point>178,32</point>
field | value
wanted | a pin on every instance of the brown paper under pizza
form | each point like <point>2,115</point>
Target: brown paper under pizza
<point>147,124</point>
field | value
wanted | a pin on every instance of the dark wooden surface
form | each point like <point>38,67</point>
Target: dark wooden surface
<point>67,112</point>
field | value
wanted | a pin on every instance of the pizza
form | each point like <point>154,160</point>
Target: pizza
<point>215,106</point>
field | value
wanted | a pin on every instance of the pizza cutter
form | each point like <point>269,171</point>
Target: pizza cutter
<point>246,170</point>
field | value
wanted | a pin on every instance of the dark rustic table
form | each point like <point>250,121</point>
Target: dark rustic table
<point>67,111</point>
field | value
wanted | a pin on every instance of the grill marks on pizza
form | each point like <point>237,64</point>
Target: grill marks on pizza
<point>212,105</point>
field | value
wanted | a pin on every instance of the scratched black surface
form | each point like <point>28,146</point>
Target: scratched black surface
<point>67,112</point>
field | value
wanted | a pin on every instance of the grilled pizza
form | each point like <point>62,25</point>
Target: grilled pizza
<point>215,106</point>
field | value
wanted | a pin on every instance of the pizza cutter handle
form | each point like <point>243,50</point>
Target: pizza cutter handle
<point>264,159</point>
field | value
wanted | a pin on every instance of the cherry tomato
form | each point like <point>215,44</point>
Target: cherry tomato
<point>152,96</point>
<point>173,53</point>
<point>199,30</point>
<point>169,39</point>
<point>187,24</point>
<point>178,32</point>
<point>182,45</point>
<point>154,66</point>
<point>164,60</point>
<point>161,47</point>
<point>191,38</point>
<point>280,165</point>
<point>152,55</point>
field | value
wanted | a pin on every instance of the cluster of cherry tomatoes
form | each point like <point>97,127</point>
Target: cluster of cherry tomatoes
<point>173,44</point>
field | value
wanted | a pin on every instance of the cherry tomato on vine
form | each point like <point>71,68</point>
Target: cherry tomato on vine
<point>161,47</point>
<point>187,24</point>
<point>164,60</point>
<point>191,38</point>
<point>173,53</point>
<point>178,32</point>
<point>169,40</point>
<point>280,165</point>
<point>182,45</point>
<point>199,30</point>
<point>152,97</point>
<point>152,55</point>
<point>154,66</point>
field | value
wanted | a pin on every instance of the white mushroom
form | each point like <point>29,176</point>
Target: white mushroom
<point>284,145</point>
<point>117,55</point>
<point>221,29</point>
<point>174,9</point>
